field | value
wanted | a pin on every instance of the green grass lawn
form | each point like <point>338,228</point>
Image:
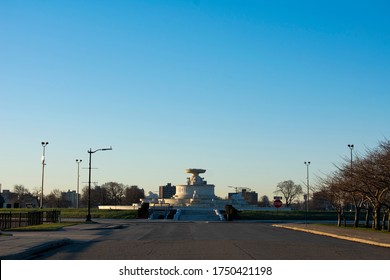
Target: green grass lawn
<point>81,212</point>
<point>44,227</point>
<point>69,213</point>
<point>290,215</point>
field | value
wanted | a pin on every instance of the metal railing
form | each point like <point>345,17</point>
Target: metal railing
<point>22,219</point>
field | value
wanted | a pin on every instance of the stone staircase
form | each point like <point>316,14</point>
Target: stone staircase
<point>198,215</point>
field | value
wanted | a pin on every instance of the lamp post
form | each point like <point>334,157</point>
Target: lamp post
<point>89,180</point>
<point>44,144</point>
<point>307,163</point>
<point>78,161</point>
<point>350,146</point>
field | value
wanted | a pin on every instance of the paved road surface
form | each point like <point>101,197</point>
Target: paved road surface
<point>224,241</point>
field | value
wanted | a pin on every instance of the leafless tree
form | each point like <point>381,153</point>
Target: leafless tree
<point>367,172</point>
<point>264,201</point>
<point>54,199</point>
<point>20,192</point>
<point>289,190</point>
<point>350,184</point>
<point>115,192</point>
<point>365,183</point>
<point>98,196</point>
<point>133,194</point>
<point>331,189</point>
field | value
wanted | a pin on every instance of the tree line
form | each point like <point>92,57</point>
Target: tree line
<point>360,184</point>
<point>364,184</point>
<point>110,193</point>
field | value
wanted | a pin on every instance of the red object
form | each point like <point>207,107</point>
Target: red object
<point>278,203</point>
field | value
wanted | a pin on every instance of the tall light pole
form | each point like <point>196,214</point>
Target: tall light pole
<point>89,180</point>
<point>78,161</point>
<point>307,163</point>
<point>44,144</point>
<point>350,146</point>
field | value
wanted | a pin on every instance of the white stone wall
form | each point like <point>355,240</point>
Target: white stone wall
<point>202,191</point>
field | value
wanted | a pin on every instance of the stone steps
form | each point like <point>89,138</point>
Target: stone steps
<point>198,215</point>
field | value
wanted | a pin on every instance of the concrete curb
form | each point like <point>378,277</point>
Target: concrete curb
<point>28,252</point>
<point>354,239</point>
<point>106,227</point>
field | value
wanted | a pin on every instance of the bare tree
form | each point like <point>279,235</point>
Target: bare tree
<point>20,192</point>
<point>349,183</point>
<point>54,199</point>
<point>133,194</point>
<point>99,196</point>
<point>115,192</point>
<point>331,189</point>
<point>384,162</point>
<point>23,197</point>
<point>365,182</point>
<point>289,190</point>
<point>368,173</point>
<point>264,201</point>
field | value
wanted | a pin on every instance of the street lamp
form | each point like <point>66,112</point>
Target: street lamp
<point>44,144</point>
<point>89,180</point>
<point>78,161</point>
<point>350,146</point>
<point>307,163</point>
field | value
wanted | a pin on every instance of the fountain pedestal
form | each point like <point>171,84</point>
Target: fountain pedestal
<point>196,192</point>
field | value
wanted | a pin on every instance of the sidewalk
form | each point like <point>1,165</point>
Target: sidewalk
<point>22,245</point>
<point>365,236</point>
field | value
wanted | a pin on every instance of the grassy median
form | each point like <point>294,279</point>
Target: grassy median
<point>43,227</point>
<point>71,213</point>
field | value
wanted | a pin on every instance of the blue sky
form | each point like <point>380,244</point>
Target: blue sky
<point>248,90</point>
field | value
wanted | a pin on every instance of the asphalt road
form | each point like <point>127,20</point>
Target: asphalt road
<point>210,241</point>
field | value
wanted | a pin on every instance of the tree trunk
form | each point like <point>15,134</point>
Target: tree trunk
<point>388,220</point>
<point>377,219</point>
<point>368,214</point>
<point>344,218</point>
<point>383,220</point>
<point>339,218</point>
<point>357,214</point>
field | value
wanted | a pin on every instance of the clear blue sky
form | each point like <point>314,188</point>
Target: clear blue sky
<point>248,90</point>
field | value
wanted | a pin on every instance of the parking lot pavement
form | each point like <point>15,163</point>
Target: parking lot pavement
<point>16,245</point>
<point>22,245</point>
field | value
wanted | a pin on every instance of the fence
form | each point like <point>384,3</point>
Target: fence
<point>22,219</point>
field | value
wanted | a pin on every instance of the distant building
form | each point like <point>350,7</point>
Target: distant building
<point>167,191</point>
<point>7,196</point>
<point>11,200</point>
<point>250,196</point>
<point>71,197</point>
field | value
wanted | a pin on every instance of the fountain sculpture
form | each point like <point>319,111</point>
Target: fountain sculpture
<point>195,193</point>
